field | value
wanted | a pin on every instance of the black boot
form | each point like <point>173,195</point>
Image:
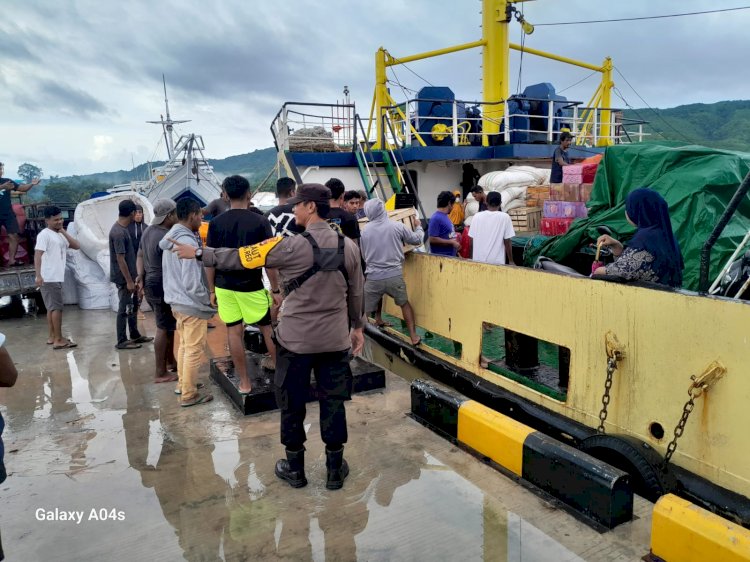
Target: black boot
<point>337,467</point>
<point>292,469</point>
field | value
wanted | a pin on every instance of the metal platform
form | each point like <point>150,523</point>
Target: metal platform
<point>262,398</point>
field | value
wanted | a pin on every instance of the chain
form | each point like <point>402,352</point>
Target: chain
<point>701,383</point>
<point>611,368</point>
<point>693,392</point>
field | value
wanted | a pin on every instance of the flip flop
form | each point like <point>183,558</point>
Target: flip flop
<point>165,378</point>
<point>128,345</point>
<point>143,339</point>
<point>200,385</point>
<point>65,345</point>
<point>245,393</point>
<point>200,399</point>
<point>417,343</point>
<point>383,324</point>
<point>50,342</point>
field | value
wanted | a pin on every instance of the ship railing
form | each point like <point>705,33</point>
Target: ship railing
<point>315,127</point>
<point>592,126</point>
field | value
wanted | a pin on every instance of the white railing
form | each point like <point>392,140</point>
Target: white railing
<point>315,127</point>
<point>309,127</point>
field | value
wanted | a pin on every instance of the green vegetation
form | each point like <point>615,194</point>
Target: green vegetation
<point>724,124</point>
<point>69,190</point>
<point>29,172</point>
<point>74,189</point>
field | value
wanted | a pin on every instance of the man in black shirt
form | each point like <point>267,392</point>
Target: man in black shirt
<point>281,216</point>
<point>150,280</point>
<point>123,272</point>
<point>240,295</point>
<point>338,218</point>
<point>7,216</point>
<point>560,158</point>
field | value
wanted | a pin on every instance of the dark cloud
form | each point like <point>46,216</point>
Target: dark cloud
<point>15,47</point>
<point>57,97</point>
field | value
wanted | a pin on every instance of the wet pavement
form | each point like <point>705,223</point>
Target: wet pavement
<point>88,433</point>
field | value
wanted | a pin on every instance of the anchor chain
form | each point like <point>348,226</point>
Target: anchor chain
<point>611,368</point>
<point>699,385</point>
<point>614,354</point>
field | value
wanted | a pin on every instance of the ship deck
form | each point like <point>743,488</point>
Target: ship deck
<point>86,429</point>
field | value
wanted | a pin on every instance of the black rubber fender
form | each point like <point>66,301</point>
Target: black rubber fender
<point>637,458</point>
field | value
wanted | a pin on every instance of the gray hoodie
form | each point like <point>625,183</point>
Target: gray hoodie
<point>382,242</point>
<point>185,286</point>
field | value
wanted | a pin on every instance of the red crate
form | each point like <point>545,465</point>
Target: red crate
<point>555,227</point>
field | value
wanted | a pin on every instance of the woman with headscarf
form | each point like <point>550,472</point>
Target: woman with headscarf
<point>653,253</point>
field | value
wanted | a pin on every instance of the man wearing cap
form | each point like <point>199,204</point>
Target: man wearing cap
<point>320,324</point>
<point>150,282</point>
<point>560,158</point>
<point>122,272</point>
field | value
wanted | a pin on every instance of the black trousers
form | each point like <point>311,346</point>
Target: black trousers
<point>334,383</point>
<point>127,314</point>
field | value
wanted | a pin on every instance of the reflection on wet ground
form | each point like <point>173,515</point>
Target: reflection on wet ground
<point>86,429</point>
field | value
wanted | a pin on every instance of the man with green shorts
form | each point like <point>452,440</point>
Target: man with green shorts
<point>240,295</point>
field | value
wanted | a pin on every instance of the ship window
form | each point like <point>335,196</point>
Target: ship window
<point>538,364</point>
<point>437,342</point>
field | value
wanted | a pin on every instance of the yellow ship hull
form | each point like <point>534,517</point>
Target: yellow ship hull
<point>666,336</point>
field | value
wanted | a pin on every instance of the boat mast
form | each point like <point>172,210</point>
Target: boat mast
<point>167,124</point>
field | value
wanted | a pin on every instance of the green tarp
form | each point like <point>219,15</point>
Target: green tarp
<point>696,181</point>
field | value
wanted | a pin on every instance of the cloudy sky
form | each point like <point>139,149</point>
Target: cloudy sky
<point>79,78</point>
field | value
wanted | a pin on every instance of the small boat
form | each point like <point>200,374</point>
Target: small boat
<point>186,173</point>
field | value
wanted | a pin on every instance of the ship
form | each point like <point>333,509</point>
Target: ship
<point>187,172</point>
<point>648,380</point>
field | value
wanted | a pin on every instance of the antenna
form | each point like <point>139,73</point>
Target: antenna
<point>167,124</point>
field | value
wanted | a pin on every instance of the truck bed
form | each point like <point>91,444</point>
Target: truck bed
<point>17,280</point>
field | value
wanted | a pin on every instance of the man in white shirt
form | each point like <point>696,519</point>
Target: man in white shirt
<point>50,255</point>
<point>491,231</point>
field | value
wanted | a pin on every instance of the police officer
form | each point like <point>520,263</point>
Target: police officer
<point>321,323</point>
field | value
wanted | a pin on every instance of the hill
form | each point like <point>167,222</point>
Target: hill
<point>724,124</point>
<point>254,165</point>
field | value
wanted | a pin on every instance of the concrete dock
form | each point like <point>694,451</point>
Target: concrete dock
<point>88,433</point>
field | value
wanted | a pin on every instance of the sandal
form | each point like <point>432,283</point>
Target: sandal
<point>199,399</point>
<point>65,345</point>
<point>198,386</point>
<point>128,345</point>
<point>143,339</point>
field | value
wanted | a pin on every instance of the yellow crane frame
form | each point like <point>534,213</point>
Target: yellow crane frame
<point>496,14</point>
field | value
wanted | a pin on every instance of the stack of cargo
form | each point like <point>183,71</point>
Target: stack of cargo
<point>526,220</point>
<point>567,200</point>
<point>536,195</point>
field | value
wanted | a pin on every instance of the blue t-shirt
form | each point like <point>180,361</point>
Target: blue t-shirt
<point>441,227</point>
